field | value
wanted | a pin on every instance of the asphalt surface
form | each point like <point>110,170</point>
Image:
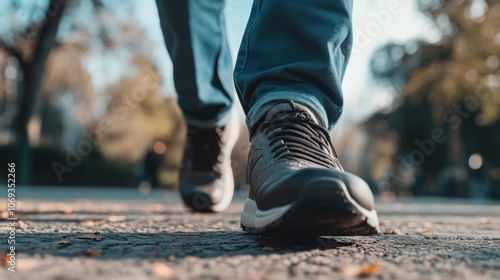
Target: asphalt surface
<point>96,233</point>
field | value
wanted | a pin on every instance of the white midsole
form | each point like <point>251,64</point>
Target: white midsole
<point>252,217</point>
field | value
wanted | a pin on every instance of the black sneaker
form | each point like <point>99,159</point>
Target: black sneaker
<point>297,185</point>
<point>206,180</point>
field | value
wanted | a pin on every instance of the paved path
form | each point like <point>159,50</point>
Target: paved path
<point>151,236</point>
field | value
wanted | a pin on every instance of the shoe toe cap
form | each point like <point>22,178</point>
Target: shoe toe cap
<point>287,189</point>
<point>203,192</point>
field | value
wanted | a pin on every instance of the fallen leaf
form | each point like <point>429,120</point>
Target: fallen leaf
<point>412,224</point>
<point>159,219</point>
<point>385,223</point>
<point>4,215</point>
<point>65,209</point>
<point>88,253</point>
<point>484,220</point>
<point>27,264</point>
<point>21,225</point>
<point>156,208</point>
<point>57,208</point>
<point>192,259</point>
<point>115,218</point>
<point>361,270</point>
<point>90,236</point>
<point>88,223</point>
<point>4,259</point>
<point>59,235</point>
<point>162,271</point>
<point>393,231</point>
<point>424,230</point>
<point>91,223</point>
<point>63,243</point>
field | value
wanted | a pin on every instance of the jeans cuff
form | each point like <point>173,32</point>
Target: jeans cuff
<point>221,120</point>
<point>262,106</point>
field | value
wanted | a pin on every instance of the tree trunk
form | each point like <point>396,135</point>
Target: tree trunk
<point>33,72</point>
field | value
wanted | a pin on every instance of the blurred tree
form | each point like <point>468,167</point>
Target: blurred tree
<point>32,63</point>
<point>74,93</point>
<point>67,94</point>
<point>136,114</point>
<point>463,62</point>
<point>452,84</point>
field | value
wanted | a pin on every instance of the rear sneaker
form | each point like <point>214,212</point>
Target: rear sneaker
<point>297,185</point>
<point>206,182</point>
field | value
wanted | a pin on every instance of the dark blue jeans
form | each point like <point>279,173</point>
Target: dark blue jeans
<point>291,50</point>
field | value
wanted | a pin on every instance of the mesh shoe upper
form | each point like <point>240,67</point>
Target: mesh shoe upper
<point>202,152</point>
<point>289,148</point>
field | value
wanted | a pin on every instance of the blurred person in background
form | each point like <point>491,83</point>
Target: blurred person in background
<point>151,163</point>
<point>288,77</point>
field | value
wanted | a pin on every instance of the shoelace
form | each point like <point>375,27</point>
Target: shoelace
<point>203,148</point>
<point>301,138</point>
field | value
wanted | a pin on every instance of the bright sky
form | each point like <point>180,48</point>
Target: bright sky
<point>376,22</point>
<point>373,29</point>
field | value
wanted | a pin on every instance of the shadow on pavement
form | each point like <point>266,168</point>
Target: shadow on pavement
<point>180,244</point>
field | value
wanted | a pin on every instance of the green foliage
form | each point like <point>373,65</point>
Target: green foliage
<point>474,43</point>
<point>451,85</point>
<point>464,63</point>
<point>136,115</point>
<point>123,112</point>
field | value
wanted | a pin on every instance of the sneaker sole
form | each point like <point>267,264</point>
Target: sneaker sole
<point>324,208</point>
<point>200,202</point>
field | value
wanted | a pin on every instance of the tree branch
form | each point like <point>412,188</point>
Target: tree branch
<point>13,51</point>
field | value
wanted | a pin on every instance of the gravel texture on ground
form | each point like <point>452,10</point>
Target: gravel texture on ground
<point>99,233</point>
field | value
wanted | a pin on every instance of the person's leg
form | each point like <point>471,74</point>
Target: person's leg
<point>195,36</point>
<point>295,49</point>
<point>194,32</point>
<point>288,76</point>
